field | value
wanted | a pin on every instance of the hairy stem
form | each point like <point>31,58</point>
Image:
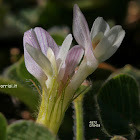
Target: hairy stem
<point>78,102</point>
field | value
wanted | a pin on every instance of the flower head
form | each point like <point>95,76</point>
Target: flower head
<point>44,59</point>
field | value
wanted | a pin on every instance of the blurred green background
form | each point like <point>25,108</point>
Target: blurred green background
<point>55,16</point>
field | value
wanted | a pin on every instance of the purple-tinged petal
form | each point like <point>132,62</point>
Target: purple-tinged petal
<point>40,59</point>
<point>80,75</point>
<point>73,59</point>
<point>62,71</point>
<point>30,38</point>
<point>45,41</point>
<point>31,65</point>
<point>81,34</point>
<point>64,51</point>
<point>80,28</point>
<point>99,25</point>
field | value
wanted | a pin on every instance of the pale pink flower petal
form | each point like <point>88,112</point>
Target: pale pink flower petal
<point>45,41</point>
<point>31,65</point>
<point>82,36</point>
<point>80,27</point>
<point>73,59</point>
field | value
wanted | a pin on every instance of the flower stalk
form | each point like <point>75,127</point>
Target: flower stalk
<point>78,106</point>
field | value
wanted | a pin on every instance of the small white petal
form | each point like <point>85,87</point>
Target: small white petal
<point>97,39</point>
<point>113,34</point>
<point>99,25</point>
<point>101,49</point>
<point>119,38</point>
<point>64,51</point>
<point>51,57</point>
<point>40,59</point>
<point>90,58</point>
<point>109,44</point>
<point>108,54</point>
<point>114,48</point>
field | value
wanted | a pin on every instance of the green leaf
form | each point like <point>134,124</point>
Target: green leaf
<point>118,102</point>
<point>23,93</point>
<point>19,73</point>
<point>28,130</point>
<point>10,72</point>
<point>3,127</point>
<point>22,71</point>
<point>128,69</point>
<point>89,103</point>
<point>23,74</point>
